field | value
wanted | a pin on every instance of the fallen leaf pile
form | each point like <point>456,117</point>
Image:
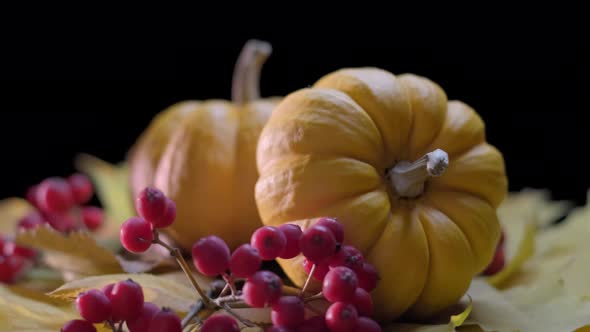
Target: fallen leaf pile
<point>544,286</point>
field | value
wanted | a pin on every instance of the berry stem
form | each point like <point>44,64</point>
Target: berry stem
<point>185,268</point>
<point>120,329</point>
<point>244,321</point>
<point>220,301</point>
<point>311,272</point>
<point>230,282</point>
<point>212,292</point>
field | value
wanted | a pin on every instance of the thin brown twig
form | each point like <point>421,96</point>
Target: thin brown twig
<point>244,321</point>
<point>312,298</point>
<point>313,268</point>
<point>185,268</point>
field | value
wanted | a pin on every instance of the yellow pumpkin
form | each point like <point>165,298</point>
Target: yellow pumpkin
<point>408,173</point>
<point>202,155</point>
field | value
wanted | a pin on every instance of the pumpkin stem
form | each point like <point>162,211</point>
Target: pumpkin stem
<point>246,79</point>
<point>408,178</point>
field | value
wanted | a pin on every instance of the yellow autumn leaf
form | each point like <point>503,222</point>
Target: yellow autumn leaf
<point>18,313</point>
<point>75,254</point>
<point>112,188</point>
<point>163,291</point>
<point>454,321</point>
<point>11,210</point>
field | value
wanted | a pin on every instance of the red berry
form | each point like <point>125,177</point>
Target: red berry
<point>61,222</point>
<point>136,235</point>
<point>54,195</point>
<point>142,322</point>
<point>78,325</point>
<point>496,264</point>
<point>94,306</point>
<point>168,217</point>
<point>127,300</point>
<point>367,277</point>
<point>108,289</point>
<point>31,195</point>
<point>288,312</point>
<point>11,267</point>
<point>220,323</point>
<point>314,324</point>
<point>363,302</point>
<point>269,241</point>
<point>245,261</point>
<point>13,249</point>
<point>211,255</point>
<point>292,234</point>
<point>165,321</point>
<point>92,217</point>
<point>365,324</point>
<point>339,284</point>
<point>81,188</point>
<point>334,226</point>
<point>262,289</point>
<point>341,317</point>
<point>317,244</point>
<point>348,256</point>
<point>151,204</point>
<point>30,221</point>
<point>320,271</point>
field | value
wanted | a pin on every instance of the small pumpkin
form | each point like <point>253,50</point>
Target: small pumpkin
<point>202,155</point>
<point>408,173</point>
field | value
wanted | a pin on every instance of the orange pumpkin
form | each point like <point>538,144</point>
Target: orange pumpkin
<point>408,173</point>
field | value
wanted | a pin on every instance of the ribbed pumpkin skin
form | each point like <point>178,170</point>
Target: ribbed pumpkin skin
<point>202,155</point>
<point>325,152</point>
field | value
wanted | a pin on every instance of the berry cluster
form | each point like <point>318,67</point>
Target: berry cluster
<point>121,302</point>
<point>499,260</point>
<point>347,279</point>
<point>58,203</point>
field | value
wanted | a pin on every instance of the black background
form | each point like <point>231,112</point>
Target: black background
<point>95,91</point>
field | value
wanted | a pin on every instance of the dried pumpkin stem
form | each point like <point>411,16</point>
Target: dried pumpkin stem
<point>407,179</point>
<point>246,78</point>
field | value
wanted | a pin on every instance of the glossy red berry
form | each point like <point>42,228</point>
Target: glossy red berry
<point>288,312</point>
<point>30,221</point>
<point>340,284</point>
<point>320,271</point>
<point>317,244</point>
<point>292,234</point>
<point>127,299</point>
<point>78,325</point>
<point>168,217</point>
<point>136,235</point>
<point>367,277</point>
<point>220,323</point>
<point>314,324</point>
<point>11,267</point>
<point>365,324</point>
<point>151,204</point>
<point>94,306</point>
<point>92,217</point>
<point>262,289</point>
<point>341,317</point>
<point>165,321</point>
<point>348,256</point>
<point>269,241</point>
<point>245,261</point>
<point>334,226</point>
<point>142,322</point>
<point>54,195</point>
<point>81,188</point>
<point>61,222</point>
<point>363,302</point>
<point>211,255</point>
<point>13,249</point>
